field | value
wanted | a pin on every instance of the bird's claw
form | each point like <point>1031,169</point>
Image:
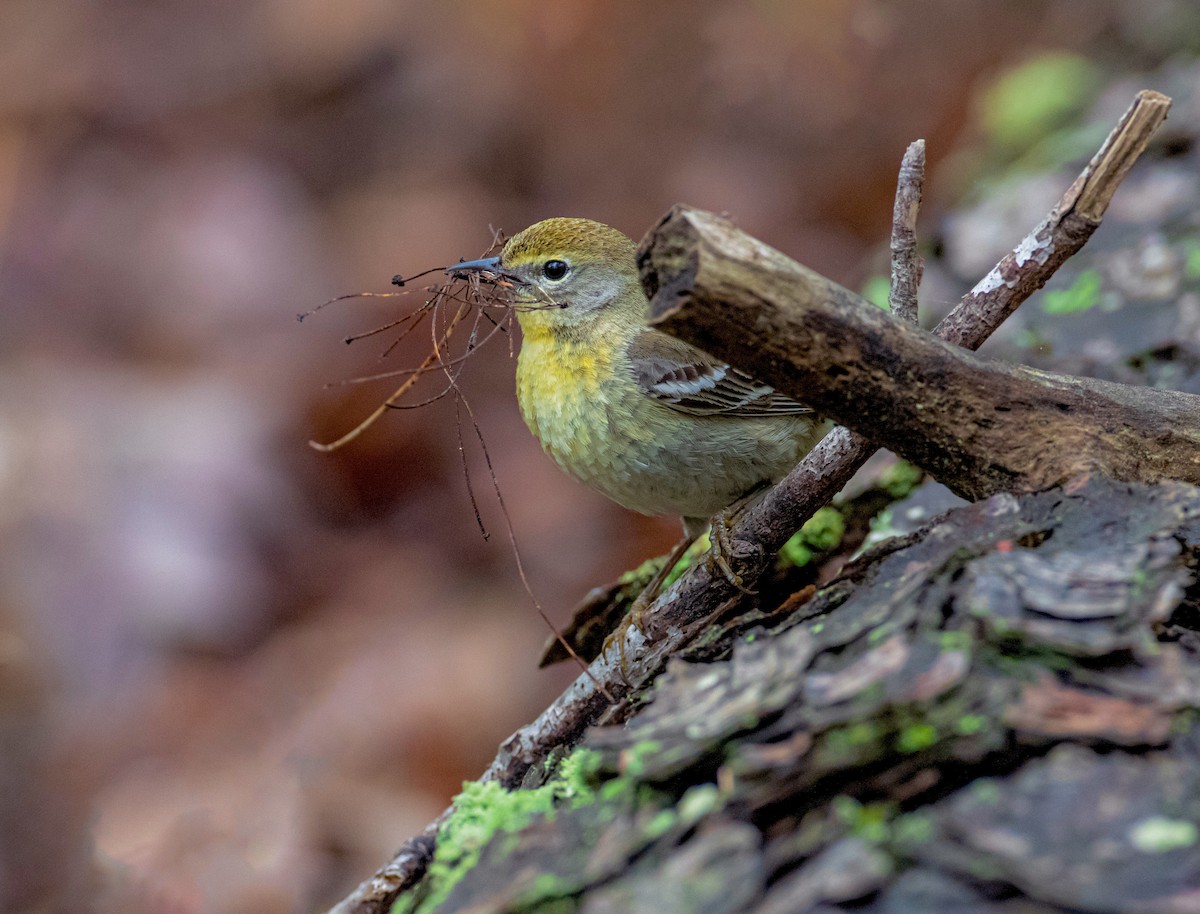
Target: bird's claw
<point>619,635</point>
<point>720,550</point>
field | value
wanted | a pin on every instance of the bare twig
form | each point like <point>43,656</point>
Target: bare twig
<point>906,262</point>
<point>1061,234</point>
<point>683,610</point>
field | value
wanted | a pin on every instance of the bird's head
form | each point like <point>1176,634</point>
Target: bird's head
<point>568,273</point>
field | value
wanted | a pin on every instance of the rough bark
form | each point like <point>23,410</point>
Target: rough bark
<point>998,714</point>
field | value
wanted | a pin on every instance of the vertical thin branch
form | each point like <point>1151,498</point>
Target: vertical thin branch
<point>906,262</point>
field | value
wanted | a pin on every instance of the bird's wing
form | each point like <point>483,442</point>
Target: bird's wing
<point>688,380</point>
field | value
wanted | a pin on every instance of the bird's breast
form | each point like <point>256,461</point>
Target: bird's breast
<point>564,389</point>
<point>584,405</point>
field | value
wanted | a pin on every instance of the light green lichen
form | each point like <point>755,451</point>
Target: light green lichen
<point>1158,834</point>
<point>1081,295</point>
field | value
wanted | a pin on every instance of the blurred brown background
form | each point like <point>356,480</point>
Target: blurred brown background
<point>236,673</point>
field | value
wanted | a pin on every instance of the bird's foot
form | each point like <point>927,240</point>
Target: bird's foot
<point>636,616</point>
<point>720,550</point>
<point>619,636</point>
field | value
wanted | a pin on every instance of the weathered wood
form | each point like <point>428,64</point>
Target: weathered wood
<point>906,261</point>
<point>977,425</point>
<point>1004,702</point>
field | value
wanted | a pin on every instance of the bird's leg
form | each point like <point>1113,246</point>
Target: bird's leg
<point>648,595</point>
<point>720,546</point>
<point>650,592</point>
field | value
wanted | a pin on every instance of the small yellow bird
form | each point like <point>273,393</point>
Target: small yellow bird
<point>646,419</point>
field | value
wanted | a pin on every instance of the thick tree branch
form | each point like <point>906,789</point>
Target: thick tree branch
<point>685,608</point>
<point>977,425</point>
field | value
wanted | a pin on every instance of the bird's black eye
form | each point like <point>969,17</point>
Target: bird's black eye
<point>554,269</point>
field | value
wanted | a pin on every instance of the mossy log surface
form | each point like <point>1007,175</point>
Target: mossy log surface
<point>996,714</point>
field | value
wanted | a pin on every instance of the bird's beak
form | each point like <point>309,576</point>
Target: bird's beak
<point>486,265</point>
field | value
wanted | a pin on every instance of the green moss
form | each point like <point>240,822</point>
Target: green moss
<point>850,744</point>
<point>1081,295</point>
<point>916,737</point>
<point>912,828</point>
<point>1010,652</point>
<point>871,822</point>
<point>899,479</point>
<point>577,776</point>
<point>559,904</point>
<point>864,733</point>
<point>882,528</point>
<point>1191,249</point>
<point>985,791</point>
<point>1032,338</point>
<point>633,759</point>
<point>637,578</point>
<point>955,640</point>
<point>1158,834</point>
<point>970,724</point>
<point>698,802</point>
<point>548,893</point>
<point>484,810</point>
<point>821,532</point>
<point>662,823</point>
<point>1185,720</point>
<point>825,529</point>
<point>643,573</point>
<point>615,789</point>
